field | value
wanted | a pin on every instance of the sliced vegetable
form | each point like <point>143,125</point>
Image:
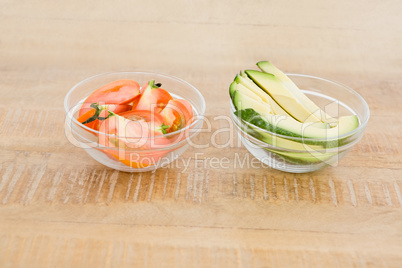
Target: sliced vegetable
<point>125,133</point>
<point>153,98</point>
<point>117,92</point>
<point>242,101</point>
<point>133,130</point>
<point>268,67</point>
<point>289,127</point>
<point>84,118</point>
<point>177,114</point>
<point>154,120</point>
<point>272,85</point>
<point>242,79</point>
<point>96,111</point>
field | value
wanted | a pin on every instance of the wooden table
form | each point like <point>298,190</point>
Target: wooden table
<point>60,208</point>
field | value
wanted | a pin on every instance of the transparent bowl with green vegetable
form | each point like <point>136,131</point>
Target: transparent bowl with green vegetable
<point>302,129</point>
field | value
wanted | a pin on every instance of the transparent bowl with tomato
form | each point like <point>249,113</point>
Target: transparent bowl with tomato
<point>133,128</point>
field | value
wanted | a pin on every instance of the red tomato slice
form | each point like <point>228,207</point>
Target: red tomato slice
<point>135,101</point>
<point>122,145</point>
<point>153,98</point>
<point>130,137</point>
<point>154,120</point>
<point>91,112</point>
<point>145,115</point>
<point>177,114</point>
<point>118,92</point>
<point>84,117</point>
<point>187,110</point>
<point>128,133</point>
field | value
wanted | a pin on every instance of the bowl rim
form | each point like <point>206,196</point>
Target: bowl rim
<point>361,126</point>
<point>197,118</point>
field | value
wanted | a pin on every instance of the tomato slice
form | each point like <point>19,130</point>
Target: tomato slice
<point>129,135</point>
<point>118,92</point>
<point>145,115</point>
<point>186,109</point>
<point>153,98</point>
<point>88,113</point>
<point>84,117</point>
<point>125,133</point>
<point>154,120</point>
<point>135,101</point>
<point>177,114</point>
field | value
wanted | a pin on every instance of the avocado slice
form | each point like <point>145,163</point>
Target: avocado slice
<point>289,127</point>
<point>239,87</point>
<point>283,143</point>
<point>232,88</point>
<point>305,158</point>
<point>298,152</point>
<point>268,67</point>
<point>286,99</point>
<point>248,83</point>
<point>242,101</point>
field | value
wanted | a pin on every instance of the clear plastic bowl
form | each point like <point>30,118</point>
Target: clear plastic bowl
<point>146,158</point>
<point>301,155</point>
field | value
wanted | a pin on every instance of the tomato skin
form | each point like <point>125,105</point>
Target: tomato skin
<point>153,99</point>
<point>117,92</point>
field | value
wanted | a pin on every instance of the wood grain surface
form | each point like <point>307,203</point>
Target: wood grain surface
<point>60,208</point>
